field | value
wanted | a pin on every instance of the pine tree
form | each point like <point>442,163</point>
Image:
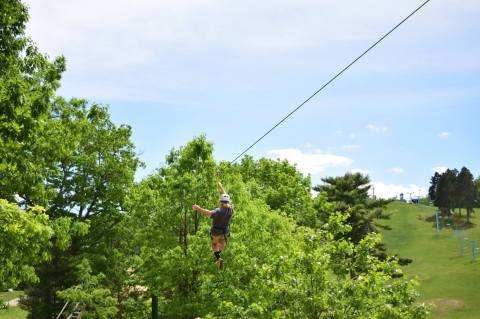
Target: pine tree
<point>445,194</point>
<point>465,191</point>
<point>432,191</point>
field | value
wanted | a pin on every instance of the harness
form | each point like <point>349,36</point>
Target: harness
<point>223,229</point>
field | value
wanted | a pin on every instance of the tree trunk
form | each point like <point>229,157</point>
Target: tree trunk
<point>185,232</point>
<point>196,221</point>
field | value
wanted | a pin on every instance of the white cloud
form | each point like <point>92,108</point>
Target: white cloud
<point>351,147</point>
<point>383,190</point>
<point>143,25</point>
<point>287,24</point>
<point>311,163</point>
<point>396,170</point>
<point>444,134</point>
<point>376,128</point>
<point>111,44</point>
<point>361,171</point>
<point>439,169</point>
<point>352,135</point>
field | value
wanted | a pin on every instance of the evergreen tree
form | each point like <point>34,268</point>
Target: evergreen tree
<point>477,192</point>
<point>465,191</point>
<point>349,194</point>
<point>445,198</point>
<point>432,191</point>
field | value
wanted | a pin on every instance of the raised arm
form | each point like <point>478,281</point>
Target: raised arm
<point>201,210</point>
<point>220,187</point>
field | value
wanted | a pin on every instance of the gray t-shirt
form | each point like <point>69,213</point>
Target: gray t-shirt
<point>221,220</point>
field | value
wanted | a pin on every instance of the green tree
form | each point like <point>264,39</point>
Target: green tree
<point>274,268</point>
<point>445,198</point>
<point>24,242</point>
<point>280,185</point>
<point>168,228</point>
<point>57,271</point>
<point>477,192</point>
<point>465,191</point>
<point>349,193</point>
<point>28,81</point>
<point>98,301</point>
<point>432,191</point>
<point>65,156</point>
<point>317,283</point>
<point>91,165</point>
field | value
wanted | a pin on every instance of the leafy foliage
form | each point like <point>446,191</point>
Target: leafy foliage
<point>279,184</point>
<point>274,267</point>
<point>91,164</point>
<point>90,291</point>
<point>24,241</point>
<point>28,81</point>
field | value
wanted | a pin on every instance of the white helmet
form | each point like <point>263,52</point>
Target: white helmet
<point>225,198</point>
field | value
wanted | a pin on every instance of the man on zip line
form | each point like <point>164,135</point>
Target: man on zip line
<point>221,217</point>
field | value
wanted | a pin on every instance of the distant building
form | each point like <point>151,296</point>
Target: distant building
<point>401,198</point>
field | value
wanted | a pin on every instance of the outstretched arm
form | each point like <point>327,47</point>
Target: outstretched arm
<point>220,187</point>
<point>202,210</point>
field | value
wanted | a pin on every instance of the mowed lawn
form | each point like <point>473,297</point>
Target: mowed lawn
<point>450,281</point>
<point>12,312</point>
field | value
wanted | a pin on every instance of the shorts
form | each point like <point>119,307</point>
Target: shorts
<point>219,239</point>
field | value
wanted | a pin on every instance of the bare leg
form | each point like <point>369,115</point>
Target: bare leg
<point>214,246</point>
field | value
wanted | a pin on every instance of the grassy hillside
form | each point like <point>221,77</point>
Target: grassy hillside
<point>450,281</point>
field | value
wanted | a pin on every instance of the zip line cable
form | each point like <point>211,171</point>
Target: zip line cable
<point>330,81</point>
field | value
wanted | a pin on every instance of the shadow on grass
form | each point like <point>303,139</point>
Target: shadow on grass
<point>454,221</point>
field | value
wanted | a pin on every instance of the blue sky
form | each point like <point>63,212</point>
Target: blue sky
<point>231,69</point>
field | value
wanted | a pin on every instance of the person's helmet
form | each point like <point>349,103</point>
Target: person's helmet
<point>225,198</point>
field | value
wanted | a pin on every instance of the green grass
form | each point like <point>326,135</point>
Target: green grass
<point>13,313</point>
<point>448,280</point>
<point>6,296</point>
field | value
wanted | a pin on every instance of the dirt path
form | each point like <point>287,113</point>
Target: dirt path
<point>13,302</point>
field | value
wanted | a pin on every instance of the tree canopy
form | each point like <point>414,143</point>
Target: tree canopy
<point>24,241</point>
